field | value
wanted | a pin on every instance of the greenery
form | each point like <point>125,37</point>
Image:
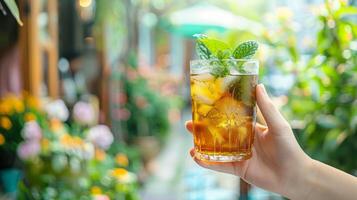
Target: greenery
<point>221,52</point>
<point>148,109</point>
<point>325,92</point>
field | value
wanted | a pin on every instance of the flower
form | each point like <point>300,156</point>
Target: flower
<point>28,149</point>
<point>5,108</point>
<point>99,154</point>
<point>88,150</point>
<point>45,144</point>
<point>84,113</point>
<point>141,102</point>
<point>31,131</point>
<point>95,190</point>
<point>56,125</point>
<point>123,114</point>
<point>100,136</point>
<point>57,109</point>
<point>119,173</point>
<point>29,117</point>
<point>5,123</point>
<point>121,159</point>
<point>123,176</point>
<point>101,197</point>
<point>2,139</point>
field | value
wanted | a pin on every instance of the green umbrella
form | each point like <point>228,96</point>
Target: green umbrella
<point>201,18</point>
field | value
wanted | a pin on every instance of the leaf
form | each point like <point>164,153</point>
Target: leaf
<point>202,51</point>
<point>245,50</point>
<point>11,4</point>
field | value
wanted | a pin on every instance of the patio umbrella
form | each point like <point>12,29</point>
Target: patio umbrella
<point>201,18</point>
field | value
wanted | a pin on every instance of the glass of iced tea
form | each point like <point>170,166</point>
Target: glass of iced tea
<point>223,108</point>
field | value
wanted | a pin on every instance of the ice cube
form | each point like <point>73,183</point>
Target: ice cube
<point>205,89</point>
<point>228,82</point>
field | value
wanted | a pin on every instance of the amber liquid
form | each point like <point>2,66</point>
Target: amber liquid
<point>223,113</point>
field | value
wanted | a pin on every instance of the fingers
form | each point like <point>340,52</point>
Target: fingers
<point>189,126</point>
<point>270,113</point>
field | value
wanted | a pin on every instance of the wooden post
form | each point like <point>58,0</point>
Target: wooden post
<point>32,49</point>
<point>53,79</point>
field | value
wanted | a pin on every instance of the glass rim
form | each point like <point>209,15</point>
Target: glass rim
<point>236,66</point>
<point>250,60</point>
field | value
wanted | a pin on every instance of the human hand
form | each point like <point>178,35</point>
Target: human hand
<point>278,163</point>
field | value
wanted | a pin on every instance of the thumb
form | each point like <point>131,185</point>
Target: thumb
<point>271,114</point>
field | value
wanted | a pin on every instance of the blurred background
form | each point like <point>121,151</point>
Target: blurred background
<point>94,93</point>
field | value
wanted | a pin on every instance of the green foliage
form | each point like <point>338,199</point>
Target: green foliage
<point>325,93</point>
<point>148,109</point>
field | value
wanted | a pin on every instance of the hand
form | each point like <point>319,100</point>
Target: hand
<point>278,163</point>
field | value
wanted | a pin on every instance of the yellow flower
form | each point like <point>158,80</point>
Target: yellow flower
<point>45,143</point>
<point>119,173</point>
<point>121,159</point>
<point>77,141</point>
<point>30,117</point>
<point>99,154</point>
<point>33,102</point>
<point>5,108</point>
<point>55,124</point>
<point>5,123</point>
<point>95,190</point>
<point>18,105</point>
<point>2,139</point>
<point>66,139</point>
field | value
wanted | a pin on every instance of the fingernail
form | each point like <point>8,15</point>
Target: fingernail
<point>263,89</point>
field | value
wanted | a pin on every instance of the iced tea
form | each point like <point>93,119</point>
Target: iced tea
<point>223,111</point>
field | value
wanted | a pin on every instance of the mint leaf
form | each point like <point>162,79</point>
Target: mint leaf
<point>220,53</point>
<point>245,50</point>
<point>202,51</point>
<point>211,48</point>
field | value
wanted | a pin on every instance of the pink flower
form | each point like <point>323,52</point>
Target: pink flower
<point>123,114</point>
<point>101,197</point>
<point>32,131</point>
<point>84,113</point>
<point>141,102</point>
<point>100,136</point>
<point>28,149</point>
<point>122,98</point>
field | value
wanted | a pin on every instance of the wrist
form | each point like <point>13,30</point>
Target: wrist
<point>299,181</point>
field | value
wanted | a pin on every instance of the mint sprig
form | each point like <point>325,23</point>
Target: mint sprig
<point>220,52</point>
<point>245,50</point>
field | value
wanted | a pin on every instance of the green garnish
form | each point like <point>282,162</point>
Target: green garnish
<point>219,52</point>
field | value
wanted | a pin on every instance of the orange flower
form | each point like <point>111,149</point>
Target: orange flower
<point>99,154</point>
<point>55,124</point>
<point>121,159</point>
<point>5,123</point>
<point>2,139</point>
<point>119,173</point>
<point>95,190</point>
<point>30,117</point>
